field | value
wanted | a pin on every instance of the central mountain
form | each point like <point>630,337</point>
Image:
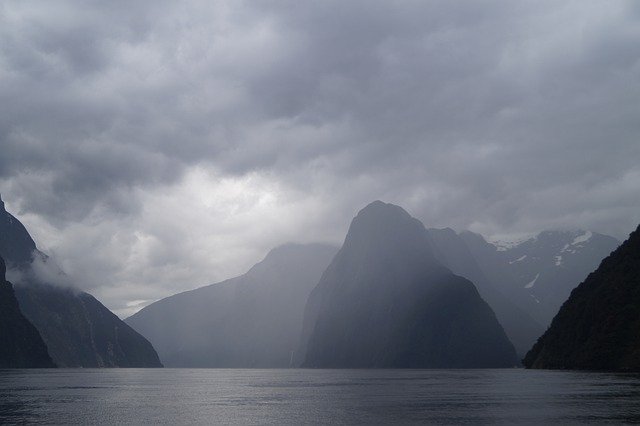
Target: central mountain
<point>385,301</point>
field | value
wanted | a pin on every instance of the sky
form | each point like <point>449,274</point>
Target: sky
<point>152,147</point>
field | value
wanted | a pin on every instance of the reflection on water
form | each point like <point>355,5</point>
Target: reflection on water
<point>316,396</point>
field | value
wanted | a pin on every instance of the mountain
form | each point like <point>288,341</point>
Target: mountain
<point>20,343</point>
<point>253,320</point>
<point>598,328</point>
<point>539,273</point>
<point>385,301</point>
<point>78,330</point>
<point>453,252</point>
<point>16,245</point>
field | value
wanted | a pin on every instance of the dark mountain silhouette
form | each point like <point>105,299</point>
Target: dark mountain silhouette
<point>78,330</point>
<point>16,245</point>
<point>20,343</point>
<point>452,251</point>
<point>253,320</point>
<point>385,301</point>
<point>598,328</point>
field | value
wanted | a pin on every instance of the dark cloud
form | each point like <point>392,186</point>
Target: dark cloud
<point>155,146</point>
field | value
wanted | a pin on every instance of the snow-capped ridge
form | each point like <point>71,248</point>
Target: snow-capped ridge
<point>582,238</point>
<point>507,243</point>
<point>533,282</point>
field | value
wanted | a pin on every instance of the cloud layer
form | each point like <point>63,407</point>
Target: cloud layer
<point>152,147</point>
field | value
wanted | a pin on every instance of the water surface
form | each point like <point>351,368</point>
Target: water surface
<point>226,396</point>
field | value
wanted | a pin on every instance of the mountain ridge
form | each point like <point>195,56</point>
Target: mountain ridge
<point>597,327</point>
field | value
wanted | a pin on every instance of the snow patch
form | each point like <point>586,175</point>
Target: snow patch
<point>533,282</point>
<point>520,259</point>
<point>558,260</point>
<point>508,244</point>
<point>534,298</point>
<point>582,238</point>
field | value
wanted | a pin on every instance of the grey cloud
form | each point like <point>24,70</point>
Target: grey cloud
<point>504,117</point>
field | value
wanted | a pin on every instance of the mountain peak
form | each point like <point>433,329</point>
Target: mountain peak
<point>386,227</point>
<point>378,216</point>
<point>380,208</point>
<point>292,254</point>
<point>450,233</point>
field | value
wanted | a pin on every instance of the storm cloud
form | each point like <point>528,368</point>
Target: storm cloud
<point>153,147</point>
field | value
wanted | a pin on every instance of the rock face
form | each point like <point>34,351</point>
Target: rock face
<point>385,301</point>
<point>20,343</point>
<point>251,321</point>
<point>16,245</point>
<point>78,330</point>
<point>538,274</point>
<point>598,328</point>
<point>452,251</point>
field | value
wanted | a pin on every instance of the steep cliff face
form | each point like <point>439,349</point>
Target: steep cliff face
<point>253,320</point>
<point>20,343</point>
<point>16,245</point>
<point>387,302</point>
<point>598,327</point>
<point>453,252</point>
<point>78,330</point>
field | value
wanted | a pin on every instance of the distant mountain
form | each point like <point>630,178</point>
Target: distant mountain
<point>453,252</point>
<point>20,343</point>
<point>385,301</point>
<point>253,320</point>
<point>538,273</point>
<point>598,328</point>
<point>78,330</point>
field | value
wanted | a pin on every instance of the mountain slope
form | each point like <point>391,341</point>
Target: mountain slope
<point>598,328</point>
<point>452,251</point>
<point>386,302</point>
<point>539,273</point>
<point>20,343</point>
<point>78,330</point>
<point>253,320</point>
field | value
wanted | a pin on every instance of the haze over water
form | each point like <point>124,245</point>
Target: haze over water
<point>227,396</point>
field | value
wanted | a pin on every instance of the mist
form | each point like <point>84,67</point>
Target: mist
<point>155,148</point>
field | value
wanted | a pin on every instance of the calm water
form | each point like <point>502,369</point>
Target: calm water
<point>316,396</point>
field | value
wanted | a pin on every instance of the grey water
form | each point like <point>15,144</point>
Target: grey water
<point>227,396</point>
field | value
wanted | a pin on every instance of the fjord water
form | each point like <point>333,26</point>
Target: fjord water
<point>227,396</point>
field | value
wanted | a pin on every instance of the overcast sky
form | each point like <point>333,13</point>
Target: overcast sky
<point>153,147</point>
